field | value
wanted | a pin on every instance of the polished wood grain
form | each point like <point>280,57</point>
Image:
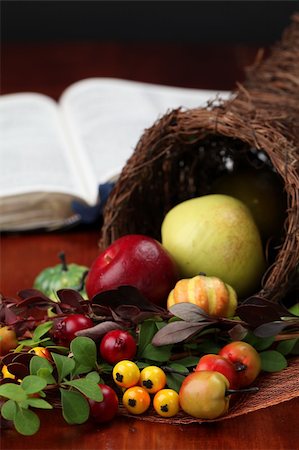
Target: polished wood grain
<point>49,68</point>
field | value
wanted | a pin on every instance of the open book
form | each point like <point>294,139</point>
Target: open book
<point>52,153</point>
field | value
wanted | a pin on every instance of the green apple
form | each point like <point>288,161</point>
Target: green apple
<point>216,234</point>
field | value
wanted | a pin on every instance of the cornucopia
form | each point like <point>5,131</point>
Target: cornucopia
<point>180,155</point>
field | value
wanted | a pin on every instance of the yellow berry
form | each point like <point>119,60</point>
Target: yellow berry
<point>136,400</point>
<point>166,402</point>
<point>126,373</point>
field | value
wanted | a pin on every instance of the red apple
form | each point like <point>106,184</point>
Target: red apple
<point>246,360</point>
<point>65,330</point>
<point>134,260</point>
<point>219,364</point>
<point>117,345</point>
<point>107,409</point>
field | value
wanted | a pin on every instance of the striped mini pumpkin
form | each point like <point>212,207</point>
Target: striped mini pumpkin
<point>209,293</point>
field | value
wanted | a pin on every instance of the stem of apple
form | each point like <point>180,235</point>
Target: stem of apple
<point>250,390</point>
<point>62,258</point>
<point>81,285</point>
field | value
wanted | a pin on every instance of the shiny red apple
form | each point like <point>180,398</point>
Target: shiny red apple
<point>134,260</point>
<point>246,360</point>
<point>219,364</point>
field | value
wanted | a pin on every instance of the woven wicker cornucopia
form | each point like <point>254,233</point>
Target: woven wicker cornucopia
<point>183,151</point>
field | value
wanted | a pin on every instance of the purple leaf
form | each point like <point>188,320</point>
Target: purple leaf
<point>127,311</point>
<point>256,315</point>
<point>260,301</point>
<point>22,358</point>
<point>126,295</point>
<point>273,328</point>
<point>18,369</point>
<point>7,316</point>
<point>99,330</point>
<point>71,298</point>
<point>28,293</point>
<point>177,332</point>
<point>238,332</point>
<point>189,312</point>
<point>142,316</point>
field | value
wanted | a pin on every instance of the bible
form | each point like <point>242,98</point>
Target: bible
<point>56,153</point>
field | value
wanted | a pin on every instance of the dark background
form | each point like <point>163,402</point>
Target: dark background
<point>253,22</point>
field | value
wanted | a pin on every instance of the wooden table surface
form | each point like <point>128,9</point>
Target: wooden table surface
<point>49,68</point>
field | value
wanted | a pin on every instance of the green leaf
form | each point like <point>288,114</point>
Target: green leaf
<point>8,409</point>
<point>295,349</point>
<point>208,346</point>
<point>45,373</point>
<point>147,331</point>
<point>32,384</point>
<point>188,361</point>
<point>75,408</point>
<point>94,377</point>
<point>141,364</point>
<point>273,361</point>
<point>84,351</point>
<point>31,343</point>
<point>39,403</point>
<point>179,368</point>
<point>41,330</point>
<point>26,422</point>
<point>64,365</point>
<point>13,391</point>
<point>153,353</point>
<point>37,363</point>
<point>286,347</point>
<point>57,348</point>
<point>294,309</point>
<point>258,343</point>
<point>80,369</point>
<point>105,368</point>
<point>174,381</point>
<point>87,387</point>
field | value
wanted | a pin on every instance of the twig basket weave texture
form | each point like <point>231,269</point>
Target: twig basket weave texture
<point>178,156</point>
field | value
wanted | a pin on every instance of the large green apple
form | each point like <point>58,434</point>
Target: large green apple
<point>216,234</point>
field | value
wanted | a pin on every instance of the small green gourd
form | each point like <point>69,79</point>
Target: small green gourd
<point>71,276</point>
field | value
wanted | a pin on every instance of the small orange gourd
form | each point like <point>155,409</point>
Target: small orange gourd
<point>211,294</point>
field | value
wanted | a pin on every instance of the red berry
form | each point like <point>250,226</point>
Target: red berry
<point>107,409</point>
<point>117,345</point>
<point>65,330</point>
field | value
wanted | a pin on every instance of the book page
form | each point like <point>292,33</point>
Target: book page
<point>33,152</point>
<point>106,117</point>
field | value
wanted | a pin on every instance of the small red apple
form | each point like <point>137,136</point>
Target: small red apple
<point>219,364</point>
<point>134,260</point>
<point>107,409</point>
<point>246,360</point>
<point>117,345</point>
<point>65,330</point>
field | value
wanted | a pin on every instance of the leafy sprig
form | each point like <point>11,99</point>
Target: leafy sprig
<point>173,339</point>
<point>64,376</point>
